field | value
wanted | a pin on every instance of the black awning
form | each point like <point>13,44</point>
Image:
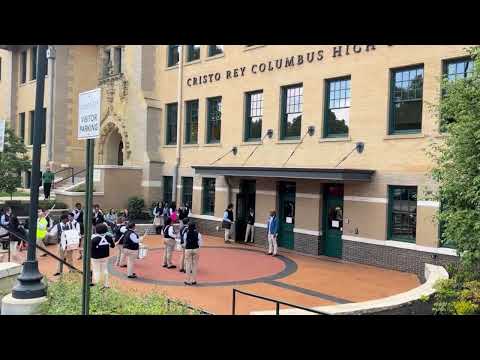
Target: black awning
<point>293,173</point>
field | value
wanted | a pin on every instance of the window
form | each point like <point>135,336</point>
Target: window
<point>253,115</point>
<point>406,100</point>
<point>187,191</point>
<point>173,54</point>
<point>337,105</point>
<point>33,64</point>
<point>23,67</point>
<point>215,50</point>
<point>167,188</point>
<point>107,62</point>
<point>214,119</point>
<point>32,116</point>
<point>117,57</point>
<point>292,105</point>
<point>171,132</point>
<point>208,202</point>
<point>456,69</point>
<point>402,207</point>
<point>21,126</point>
<point>193,52</point>
<point>191,122</point>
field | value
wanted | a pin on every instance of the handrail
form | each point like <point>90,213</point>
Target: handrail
<point>278,303</point>
<point>72,176</point>
<point>38,247</point>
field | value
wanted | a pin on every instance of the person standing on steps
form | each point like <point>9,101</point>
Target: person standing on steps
<point>250,226</point>
<point>130,249</point>
<point>193,241</point>
<point>169,241</point>
<point>47,179</point>
<point>227,222</point>
<point>272,233</point>
<point>101,244</point>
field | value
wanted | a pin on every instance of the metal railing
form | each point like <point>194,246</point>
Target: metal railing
<point>277,303</point>
<point>71,176</point>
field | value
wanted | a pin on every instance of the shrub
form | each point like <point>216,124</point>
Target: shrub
<point>64,298</point>
<point>454,296</point>
<point>135,207</point>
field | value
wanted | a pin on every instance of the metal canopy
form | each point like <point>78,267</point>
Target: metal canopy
<point>293,173</point>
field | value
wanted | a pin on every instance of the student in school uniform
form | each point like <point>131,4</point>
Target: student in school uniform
<point>120,230</point>
<point>250,226</point>
<point>169,241</point>
<point>158,220</point>
<point>78,217</point>
<point>56,231</point>
<point>227,222</point>
<point>130,249</point>
<point>193,241</point>
<point>101,244</point>
<point>183,230</point>
<point>272,233</point>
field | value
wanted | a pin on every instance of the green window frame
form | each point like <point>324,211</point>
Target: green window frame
<point>406,100</point>
<point>23,67</point>
<point>21,126</point>
<point>453,70</point>
<point>33,64</point>
<point>187,191</point>
<point>337,107</point>
<point>171,124</point>
<point>193,52</point>
<point>191,122</point>
<point>215,50</point>
<point>173,55</point>
<point>214,120</point>
<point>32,117</point>
<point>402,213</point>
<point>167,188</point>
<point>253,115</point>
<point>208,196</point>
<point>292,111</point>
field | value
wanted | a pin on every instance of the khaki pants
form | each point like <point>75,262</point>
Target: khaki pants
<point>182,260</point>
<point>67,256</point>
<point>272,244</point>
<point>168,251</point>
<point>250,229</point>
<point>100,271</point>
<point>120,261</point>
<point>227,235</point>
<point>131,256</point>
<point>42,245</point>
<point>191,263</point>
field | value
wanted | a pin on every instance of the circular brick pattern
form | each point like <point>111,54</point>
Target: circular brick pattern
<point>218,266</point>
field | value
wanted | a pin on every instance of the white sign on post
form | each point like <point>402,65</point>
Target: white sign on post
<point>89,114</point>
<point>2,134</point>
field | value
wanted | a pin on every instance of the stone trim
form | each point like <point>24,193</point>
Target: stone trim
<point>425,203</point>
<point>123,167</point>
<point>366,199</point>
<point>402,245</point>
<point>152,183</point>
<point>266,192</point>
<point>308,196</point>
<point>307,232</point>
<point>206,217</point>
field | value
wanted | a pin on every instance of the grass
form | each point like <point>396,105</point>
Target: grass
<point>16,193</point>
<point>64,298</point>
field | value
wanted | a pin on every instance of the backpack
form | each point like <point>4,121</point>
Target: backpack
<point>174,216</point>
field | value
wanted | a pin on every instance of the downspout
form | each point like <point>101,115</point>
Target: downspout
<point>50,107</point>
<point>179,122</point>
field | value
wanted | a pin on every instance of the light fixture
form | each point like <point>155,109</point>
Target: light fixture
<point>311,130</point>
<point>360,146</point>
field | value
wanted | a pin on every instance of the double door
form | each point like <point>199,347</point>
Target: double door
<point>245,202</point>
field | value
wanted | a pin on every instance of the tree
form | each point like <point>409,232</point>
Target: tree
<point>13,159</point>
<point>457,165</point>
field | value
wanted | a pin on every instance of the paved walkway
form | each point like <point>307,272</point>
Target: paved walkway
<point>298,279</point>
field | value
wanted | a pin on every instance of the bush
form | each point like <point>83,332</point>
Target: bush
<point>454,296</point>
<point>135,207</point>
<point>64,298</point>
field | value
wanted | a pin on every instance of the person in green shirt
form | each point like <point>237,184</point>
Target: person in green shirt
<point>47,179</point>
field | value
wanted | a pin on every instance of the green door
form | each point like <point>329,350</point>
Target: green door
<point>286,215</point>
<point>333,220</point>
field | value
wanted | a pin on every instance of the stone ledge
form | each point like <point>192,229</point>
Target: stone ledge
<point>433,273</point>
<point>9,269</point>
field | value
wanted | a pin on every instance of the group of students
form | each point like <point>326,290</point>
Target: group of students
<point>163,211</point>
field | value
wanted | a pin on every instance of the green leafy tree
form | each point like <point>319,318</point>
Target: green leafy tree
<point>13,159</point>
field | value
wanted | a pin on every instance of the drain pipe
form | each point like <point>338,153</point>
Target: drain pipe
<point>179,122</point>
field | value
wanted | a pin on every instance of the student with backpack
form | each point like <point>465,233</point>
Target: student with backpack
<point>63,252</point>
<point>193,241</point>
<point>169,241</point>
<point>158,220</point>
<point>119,230</point>
<point>101,244</point>
<point>130,249</point>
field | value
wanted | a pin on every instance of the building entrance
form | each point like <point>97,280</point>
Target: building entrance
<point>245,202</point>
<point>333,220</point>
<point>286,214</point>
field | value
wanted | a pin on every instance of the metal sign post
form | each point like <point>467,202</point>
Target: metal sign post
<point>89,129</point>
